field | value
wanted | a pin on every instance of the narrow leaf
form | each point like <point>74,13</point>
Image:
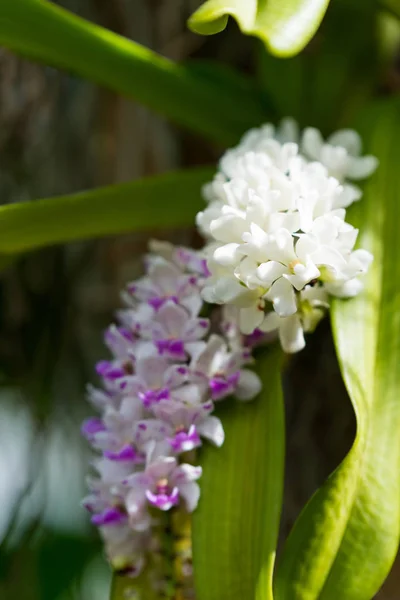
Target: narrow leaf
<point>235,528</point>
<point>285,27</point>
<point>164,201</point>
<point>345,541</point>
<point>45,32</point>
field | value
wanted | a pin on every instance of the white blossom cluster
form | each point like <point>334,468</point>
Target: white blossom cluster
<point>278,244</point>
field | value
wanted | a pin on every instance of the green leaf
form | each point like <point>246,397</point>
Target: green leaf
<point>346,539</point>
<point>285,26</point>
<point>220,110</point>
<point>326,86</point>
<point>164,201</point>
<point>392,6</point>
<point>235,527</point>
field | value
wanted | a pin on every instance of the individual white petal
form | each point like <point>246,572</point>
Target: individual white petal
<point>151,370</point>
<point>282,297</point>
<point>363,258</point>
<point>246,272</point>
<point>269,271</point>
<point>173,317</point>
<point>257,236</point>
<point>209,296</point>
<point>288,131</point>
<point>271,322</point>
<point>135,503</point>
<point>306,245</point>
<point>186,473</point>
<point>315,296</point>
<point>150,430</point>
<point>303,274</point>
<point>191,494</point>
<point>250,318</point>
<point>336,160</point>
<point>347,195</point>
<point>284,242</point>
<point>161,248</point>
<point>215,347</point>
<point>224,290</point>
<point>249,385</point>
<point>329,257</point>
<point>227,254</point>
<point>362,167</point>
<point>162,467</point>
<point>190,394</point>
<point>228,228</point>
<point>312,142</point>
<point>196,329</point>
<point>348,139</point>
<point>291,334</point>
<point>284,220</point>
<point>211,428</point>
<point>193,304</point>
<point>348,289</point>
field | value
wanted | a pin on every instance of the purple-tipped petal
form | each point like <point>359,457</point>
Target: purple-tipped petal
<point>223,386</point>
<point>92,426</point>
<point>154,396</point>
<point>110,516</point>
<point>108,371</point>
<point>173,348</point>
<point>126,454</point>
<point>158,301</point>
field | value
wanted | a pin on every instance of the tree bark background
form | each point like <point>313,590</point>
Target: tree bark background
<point>59,135</point>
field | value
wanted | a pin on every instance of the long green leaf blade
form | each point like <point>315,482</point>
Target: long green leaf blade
<point>235,528</point>
<point>221,109</point>
<point>285,27</point>
<point>161,202</point>
<point>345,541</point>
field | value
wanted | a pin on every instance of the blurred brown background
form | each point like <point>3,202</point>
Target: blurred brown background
<point>59,135</point>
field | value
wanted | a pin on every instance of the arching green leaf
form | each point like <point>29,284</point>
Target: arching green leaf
<point>345,541</point>
<point>161,202</point>
<point>285,26</point>
<point>235,527</point>
<point>221,108</point>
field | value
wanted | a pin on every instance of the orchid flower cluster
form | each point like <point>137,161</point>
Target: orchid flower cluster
<point>170,364</point>
<point>278,242</point>
<point>277,246</point>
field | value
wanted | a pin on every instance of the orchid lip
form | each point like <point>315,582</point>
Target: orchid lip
<point>164,500</point>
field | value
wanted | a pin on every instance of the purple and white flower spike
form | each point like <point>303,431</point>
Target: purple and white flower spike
<point>169,365</point>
